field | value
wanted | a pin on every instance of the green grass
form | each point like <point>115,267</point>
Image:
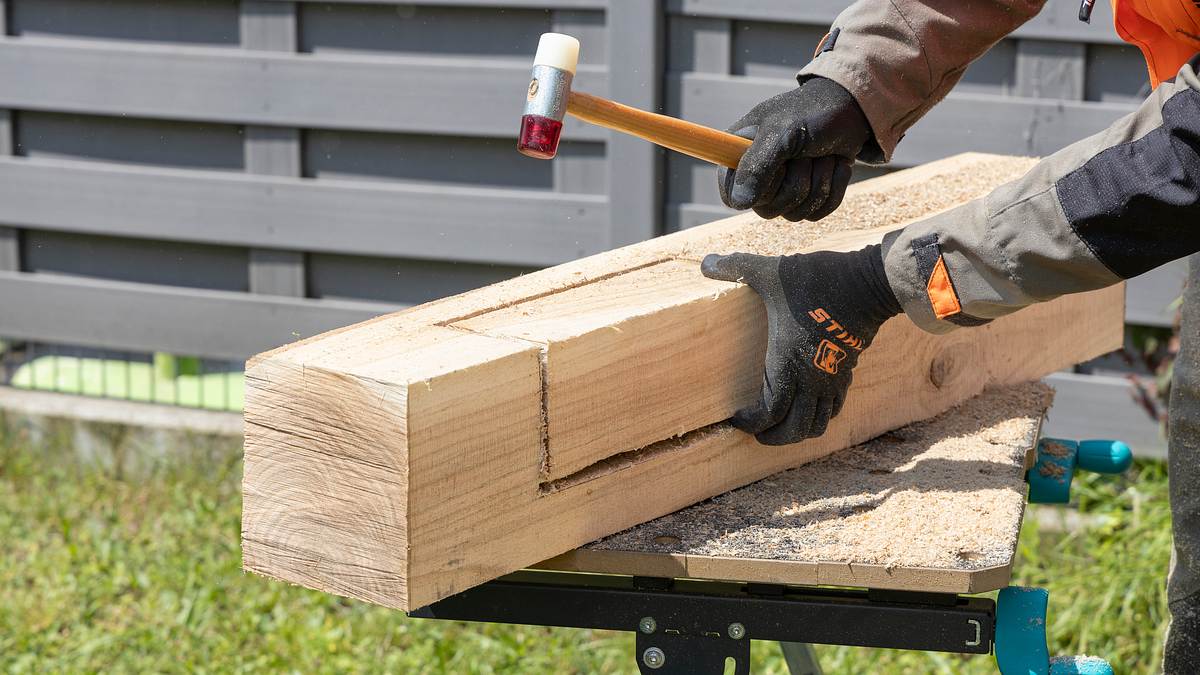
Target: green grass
<point>138,571</point>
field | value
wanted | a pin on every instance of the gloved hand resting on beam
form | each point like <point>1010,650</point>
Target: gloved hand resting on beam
<point>823,310</point>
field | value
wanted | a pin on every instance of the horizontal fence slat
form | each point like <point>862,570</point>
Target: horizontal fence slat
<point>960,123</point>
<point>144,317</point>
<point>522,4</point>
<point>1102,406</point>
<point>681,216</point>
<point>519,227</point>
<point>1004,125</point>
<point>1058,21</point>
<point>462,96</point>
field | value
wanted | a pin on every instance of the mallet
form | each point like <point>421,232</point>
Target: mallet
<point>550,96</point>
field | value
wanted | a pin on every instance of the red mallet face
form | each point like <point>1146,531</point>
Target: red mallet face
<point>546,100</point>
<point>539,136</point>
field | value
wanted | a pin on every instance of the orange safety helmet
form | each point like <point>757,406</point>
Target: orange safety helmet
<point>1167,32</point>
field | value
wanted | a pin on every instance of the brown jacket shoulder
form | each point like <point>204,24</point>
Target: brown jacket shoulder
<point>900,57</point>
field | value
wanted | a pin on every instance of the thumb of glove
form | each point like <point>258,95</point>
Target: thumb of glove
<point>739,267</point>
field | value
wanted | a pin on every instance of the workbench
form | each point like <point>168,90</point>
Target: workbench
<point>880,545</point>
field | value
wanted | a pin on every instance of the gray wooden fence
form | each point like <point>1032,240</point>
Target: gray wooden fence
<point>216,177</point>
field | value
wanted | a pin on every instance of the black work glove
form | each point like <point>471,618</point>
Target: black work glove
<point>805,142</point>
<point>823,310</point>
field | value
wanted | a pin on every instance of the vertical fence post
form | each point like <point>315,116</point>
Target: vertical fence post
<point>575,169</point>
<point>1046,69</point>
<point>10,244</point>
<point>695,44</point>
<point>635,167</point>
<point>273,151</point>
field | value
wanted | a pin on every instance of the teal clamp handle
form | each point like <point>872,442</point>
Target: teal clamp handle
<point>1021,631</point>
<point>1104,456</point>
<point>1057,459</point>
<point>1020,644</point>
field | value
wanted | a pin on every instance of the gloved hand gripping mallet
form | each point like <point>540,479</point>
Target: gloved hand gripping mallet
<point>550,97</point>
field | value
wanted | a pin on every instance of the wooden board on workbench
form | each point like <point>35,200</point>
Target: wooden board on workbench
<point>933,507</point>
<point>409,457</point>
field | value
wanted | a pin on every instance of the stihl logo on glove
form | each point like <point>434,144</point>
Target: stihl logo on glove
<point>841,334</point>
<point>828,357</point>
<point>829,353</point>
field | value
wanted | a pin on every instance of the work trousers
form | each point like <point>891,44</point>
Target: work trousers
<point>1183,445</point>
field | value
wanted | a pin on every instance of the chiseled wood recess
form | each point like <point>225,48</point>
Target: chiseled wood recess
<point>409,457</point>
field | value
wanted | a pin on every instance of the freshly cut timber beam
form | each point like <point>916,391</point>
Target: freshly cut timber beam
<point>409,457</point>
<point>363,471</point>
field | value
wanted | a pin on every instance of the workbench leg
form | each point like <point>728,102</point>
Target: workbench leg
<point>801,658</point>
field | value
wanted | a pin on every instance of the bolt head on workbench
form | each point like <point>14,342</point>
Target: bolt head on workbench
<point>654,657</point>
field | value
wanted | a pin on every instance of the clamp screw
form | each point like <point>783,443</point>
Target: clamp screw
<point>654,658</point>
<point>648,625</point>
<point>737,631</point>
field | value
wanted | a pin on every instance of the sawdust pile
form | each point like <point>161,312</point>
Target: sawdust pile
<point>945,493</point>
<point>879,206</point>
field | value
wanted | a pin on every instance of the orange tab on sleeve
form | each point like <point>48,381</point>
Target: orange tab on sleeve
<point>941,292</point>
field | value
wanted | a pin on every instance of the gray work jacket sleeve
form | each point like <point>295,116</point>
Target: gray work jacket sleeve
<point>1106,208</point>
<point>899,58</point>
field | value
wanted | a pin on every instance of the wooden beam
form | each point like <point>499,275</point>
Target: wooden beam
<point>415,455</point>
<point>354,463</point>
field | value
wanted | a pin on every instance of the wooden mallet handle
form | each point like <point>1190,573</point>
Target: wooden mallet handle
<point>692,139</point>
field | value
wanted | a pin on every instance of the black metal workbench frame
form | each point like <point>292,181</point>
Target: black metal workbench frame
<point>691,627</point>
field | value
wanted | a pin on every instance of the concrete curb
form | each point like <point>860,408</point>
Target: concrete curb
<point>25,403</point>
<point>121,436</point>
